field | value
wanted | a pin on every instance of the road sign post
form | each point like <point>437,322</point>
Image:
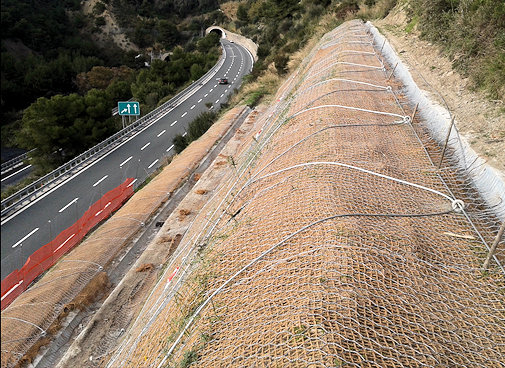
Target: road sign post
<point>128,108</point>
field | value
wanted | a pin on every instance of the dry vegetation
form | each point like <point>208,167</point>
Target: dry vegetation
<point>312,252</point>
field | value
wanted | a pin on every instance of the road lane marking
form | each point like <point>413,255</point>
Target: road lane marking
<point>145,145</point>
<point>222,94</point>
<point>99,181</point>
<point>99,212</point>
<point>17,172</point>
<point>161,133</point>
<point>65,242</point>
<point>200,100</point>
<point>215,85</point>
<point>185,134</point>
<point>211,89</point>
<point>169,148</point>
<point>129,185</point>
<point>12,289</point>
<point>183,115</point>
<point>86,168</point>
<point>69,204</point>
<point>125,161</point>
<point>25,237</point>
<point>192,107</point>
<point>175,122</point>
<point>154,163</point>
<point>206,95</point>
<point>217,101</point>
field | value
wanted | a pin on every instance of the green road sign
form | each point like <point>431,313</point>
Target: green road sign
<point>128,108</point>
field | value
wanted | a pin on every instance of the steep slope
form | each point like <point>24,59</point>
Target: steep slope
<point>334,240</point>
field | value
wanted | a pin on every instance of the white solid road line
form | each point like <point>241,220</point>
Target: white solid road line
<point>68,205</point>
<point>17,172</point>
<point>161,133</point>
<point>154,163</point>
<point>125,161</point>
<point>183,115</point>
<point>169,148</point>
<point>192,107</point>
<point>25,237</point>
<point>175,122</point>
<point>145,145</point>
<point>99,181</point>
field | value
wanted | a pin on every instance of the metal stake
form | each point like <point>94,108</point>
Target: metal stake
<point>392,71</point>
<point>446,141</point>
<point>493,247</point>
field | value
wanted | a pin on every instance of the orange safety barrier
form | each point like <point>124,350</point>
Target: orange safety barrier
<point>46,256</point>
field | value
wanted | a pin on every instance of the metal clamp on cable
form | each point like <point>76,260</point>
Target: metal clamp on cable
<point>458,205</point>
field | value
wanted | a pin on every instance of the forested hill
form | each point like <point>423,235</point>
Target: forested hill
<point>49,46</point>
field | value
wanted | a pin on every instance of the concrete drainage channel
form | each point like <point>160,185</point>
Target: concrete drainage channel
<point>76,322</point>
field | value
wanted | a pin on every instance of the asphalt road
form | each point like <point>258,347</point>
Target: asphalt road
<point>15,175</point>
<point>35,225</point>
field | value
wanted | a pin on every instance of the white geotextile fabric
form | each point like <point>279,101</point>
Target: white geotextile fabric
<point>489,182</point>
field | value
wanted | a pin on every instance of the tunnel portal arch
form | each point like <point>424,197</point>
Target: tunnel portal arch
<point>219,30</point>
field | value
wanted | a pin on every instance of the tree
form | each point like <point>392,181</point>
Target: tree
<point>169,36</point>
<point>242,13</point>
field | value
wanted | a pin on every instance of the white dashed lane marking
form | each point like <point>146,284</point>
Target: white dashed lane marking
<point>162,132</point>
<point>99,181</point>
<point>68,205</point>
<point>125,161</point>
<point>154,163</point>
<point>145,145</point>
<point>25,237</point>
<point>169,148</point>
<point>183,115</point>
<point>175,122</point>
<point>200,100</point>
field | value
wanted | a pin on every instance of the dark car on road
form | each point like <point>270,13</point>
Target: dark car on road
<point>223,81</point>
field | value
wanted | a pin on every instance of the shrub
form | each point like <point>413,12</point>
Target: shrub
<point>180,143</point>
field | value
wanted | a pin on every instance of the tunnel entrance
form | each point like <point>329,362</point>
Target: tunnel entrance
<point>218,30</point>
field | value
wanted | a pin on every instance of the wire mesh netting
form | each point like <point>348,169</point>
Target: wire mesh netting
<point>334,241</point>
<point>37,314</point>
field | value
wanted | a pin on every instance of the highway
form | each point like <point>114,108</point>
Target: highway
<point>34,225</point>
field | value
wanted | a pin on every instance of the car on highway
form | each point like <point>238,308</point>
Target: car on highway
<point>223,81</point>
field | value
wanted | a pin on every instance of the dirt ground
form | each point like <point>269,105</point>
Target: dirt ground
<point>313,254</point>
<point>102,333</point>
<point>111,29</point>
<point>480,121</point>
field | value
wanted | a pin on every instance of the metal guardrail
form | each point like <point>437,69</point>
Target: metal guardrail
<point>115,110</point>
<point>40,186</point>
<point>6,166</point>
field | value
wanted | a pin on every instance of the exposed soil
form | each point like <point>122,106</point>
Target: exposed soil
<point>102,333</point>
<point>480,121</point>
<point>111,30</point>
